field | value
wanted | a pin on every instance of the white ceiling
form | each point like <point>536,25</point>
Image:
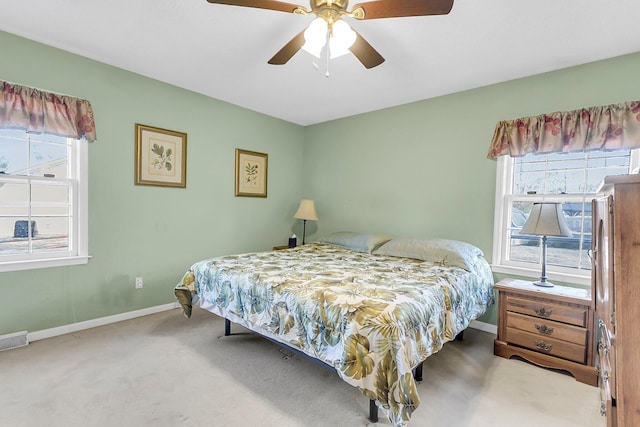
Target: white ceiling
<point>222,51</point>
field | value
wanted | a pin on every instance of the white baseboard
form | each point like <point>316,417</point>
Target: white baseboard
<point>486,327</point>
<point>88,324</point>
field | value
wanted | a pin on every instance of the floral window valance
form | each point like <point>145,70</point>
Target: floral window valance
<point>37,111</point>
<point>607,127</point>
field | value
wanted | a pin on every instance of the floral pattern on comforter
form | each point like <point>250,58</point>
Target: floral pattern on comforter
<point>372,317</point>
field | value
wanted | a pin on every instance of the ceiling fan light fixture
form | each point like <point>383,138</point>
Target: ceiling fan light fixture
<point>341,39</point>
<point>329,13</point>
<point>315,37</point>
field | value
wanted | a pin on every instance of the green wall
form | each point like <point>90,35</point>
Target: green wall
<point>153,232</point>
<point>420,169</point>
<point>415,170</point>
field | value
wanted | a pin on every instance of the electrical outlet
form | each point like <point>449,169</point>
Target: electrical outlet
<point>139,283</point>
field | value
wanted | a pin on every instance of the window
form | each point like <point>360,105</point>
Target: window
<point>569,178</point>
<point>43,200</point>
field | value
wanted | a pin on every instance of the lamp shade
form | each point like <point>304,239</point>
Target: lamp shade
<point>306,210</point>
<point>315,37</point>
<point>546,219</point>
<point>342,38</point>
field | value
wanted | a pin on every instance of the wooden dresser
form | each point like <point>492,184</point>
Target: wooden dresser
<point>551,327</point>
<point>616,280</point>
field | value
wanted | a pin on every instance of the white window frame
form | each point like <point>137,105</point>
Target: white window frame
<point>79,230</point>
<point>502,221</point>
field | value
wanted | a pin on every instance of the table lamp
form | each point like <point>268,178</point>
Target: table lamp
<point>546,219</point>
<point>306,211</point>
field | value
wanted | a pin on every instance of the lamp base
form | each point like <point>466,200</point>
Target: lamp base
<point>544,284</point>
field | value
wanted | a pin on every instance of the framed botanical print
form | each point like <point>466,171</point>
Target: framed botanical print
<point>251,173</point>
<point>161,157</point>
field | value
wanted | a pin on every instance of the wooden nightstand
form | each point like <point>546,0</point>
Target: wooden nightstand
<point>550,327</point>
<point>279,248</point>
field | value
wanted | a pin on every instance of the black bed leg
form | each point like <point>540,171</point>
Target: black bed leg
<point>460,336</point>
<point>373,411</point>
<point>227,327</point>
<point>417,375</point>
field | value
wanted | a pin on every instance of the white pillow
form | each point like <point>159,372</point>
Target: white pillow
<point>442,251</point>
<point>361,242</point>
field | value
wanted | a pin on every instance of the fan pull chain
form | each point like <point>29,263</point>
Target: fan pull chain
<point>326,74</point>
<point>328,52</point>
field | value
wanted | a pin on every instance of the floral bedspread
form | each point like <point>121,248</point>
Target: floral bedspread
<point>372,317</point>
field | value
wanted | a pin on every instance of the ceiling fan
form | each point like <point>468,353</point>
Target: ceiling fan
<point>328,29</point>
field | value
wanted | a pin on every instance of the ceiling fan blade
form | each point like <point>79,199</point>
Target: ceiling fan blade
<point>398,8</point>
<point>365,53</point>
<point>261,4</point>
<point>288,50</point>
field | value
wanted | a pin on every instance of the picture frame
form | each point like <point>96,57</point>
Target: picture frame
<point>161,157</point>
<point>251,173</point>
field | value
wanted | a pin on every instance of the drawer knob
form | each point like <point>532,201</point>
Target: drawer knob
<point>544,329</point>
<point>543,312</point>
<point>543,345</point>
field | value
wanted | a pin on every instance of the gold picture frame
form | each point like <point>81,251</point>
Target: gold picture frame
<point>161,157</point>
<point>251,173</point>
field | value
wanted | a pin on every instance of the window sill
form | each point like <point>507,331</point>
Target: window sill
<point>43,263</point>
<point>572,279</point>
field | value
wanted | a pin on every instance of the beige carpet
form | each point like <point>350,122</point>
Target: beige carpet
<point>166,370</point>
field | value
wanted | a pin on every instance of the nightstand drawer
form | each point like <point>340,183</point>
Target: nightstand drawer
<point>546,310</point>
<point>546,345</point>
<point>547,328</point>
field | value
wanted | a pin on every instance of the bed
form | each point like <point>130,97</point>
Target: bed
<point>371,307</point>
